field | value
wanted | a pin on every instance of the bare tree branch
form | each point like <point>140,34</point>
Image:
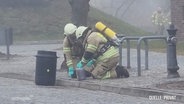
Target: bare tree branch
<point>119,8</point>
<point>128,7</point>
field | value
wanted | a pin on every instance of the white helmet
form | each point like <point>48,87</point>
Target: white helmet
<point>80,30</point>
<point>69,29</point>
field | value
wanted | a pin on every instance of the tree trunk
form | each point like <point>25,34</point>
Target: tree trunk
<point>80,9</point>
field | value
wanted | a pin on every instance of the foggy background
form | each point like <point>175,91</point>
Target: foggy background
<point>45,19</point>
<point>135,12</point>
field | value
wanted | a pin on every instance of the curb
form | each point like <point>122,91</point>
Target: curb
<point>131,91</point>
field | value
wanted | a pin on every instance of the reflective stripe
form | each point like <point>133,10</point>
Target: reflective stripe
<point>107,75</point>
<point>112,51</point>
<point>100,35</point>
<point>69,62</point>
<point>66,49</point>
<point>84,60</point>
<point>92,47</point>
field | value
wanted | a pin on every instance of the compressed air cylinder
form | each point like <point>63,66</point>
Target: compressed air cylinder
<point>107,31</point>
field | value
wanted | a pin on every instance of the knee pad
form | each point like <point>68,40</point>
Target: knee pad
<point>122,72</point>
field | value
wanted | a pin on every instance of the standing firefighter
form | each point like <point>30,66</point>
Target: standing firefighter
<point>72,49</point>
<point>159,20</point>
<point>101,65</point>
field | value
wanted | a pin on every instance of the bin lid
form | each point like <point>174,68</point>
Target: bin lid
<point>43,53</point>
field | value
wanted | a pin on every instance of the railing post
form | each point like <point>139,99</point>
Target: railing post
<point>128,54</point>
<point>145,39</point>
<point>7,39</point>
<point>120,49</point>
<point>146,54</point>
<point>139,57</point>
<point>120,54</point>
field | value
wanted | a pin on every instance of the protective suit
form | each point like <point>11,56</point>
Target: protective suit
<point>102,65</point>
<point>72,49</point>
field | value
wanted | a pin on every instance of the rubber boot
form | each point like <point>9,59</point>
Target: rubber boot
<point>122,72</point>
<point>88,74</point>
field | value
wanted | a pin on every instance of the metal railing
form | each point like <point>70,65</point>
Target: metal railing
<point>139,40</point>
<point>128,39</point>
<point>145,38</point>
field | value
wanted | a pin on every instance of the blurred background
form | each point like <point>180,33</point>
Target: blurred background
<point>45,19</point>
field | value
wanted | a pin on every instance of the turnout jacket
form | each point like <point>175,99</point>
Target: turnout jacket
<point>93,42</point>
<point>72,49</point>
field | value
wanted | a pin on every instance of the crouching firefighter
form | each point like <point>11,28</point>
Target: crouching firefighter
<point>72,49</point>
<point>100,57</point>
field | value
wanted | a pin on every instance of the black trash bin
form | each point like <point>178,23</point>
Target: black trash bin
<point>45,68</point>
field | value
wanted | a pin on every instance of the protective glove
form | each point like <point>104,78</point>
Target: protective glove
<point>90,63</point>
<point>79,64</point>
<point>70,71</point>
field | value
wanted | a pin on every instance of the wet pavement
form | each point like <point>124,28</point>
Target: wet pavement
<point>15,91</point>
<point>153,81</point>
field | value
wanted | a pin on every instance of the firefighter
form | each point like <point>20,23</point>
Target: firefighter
<point>102,65</point>
<point>72,49</point>
<point>159,20</point>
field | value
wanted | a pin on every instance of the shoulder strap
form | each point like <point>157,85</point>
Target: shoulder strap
<point>69,41</point>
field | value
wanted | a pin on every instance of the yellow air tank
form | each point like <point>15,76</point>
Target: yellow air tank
<point>105,30</point>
